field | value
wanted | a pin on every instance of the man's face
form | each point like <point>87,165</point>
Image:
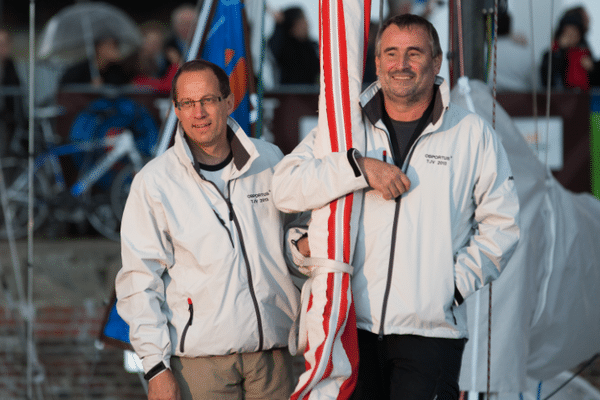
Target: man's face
<point>205,125</point>
<point>108,51</point>
<point>186,22</point>
<point>405,66</point>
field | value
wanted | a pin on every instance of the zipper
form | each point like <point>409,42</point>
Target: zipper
<point>224,226</point>
<point>187,326</point>
<point>419,128</point>
<point>388,285</point>
<point>215,211</point>
<point>233,217</point>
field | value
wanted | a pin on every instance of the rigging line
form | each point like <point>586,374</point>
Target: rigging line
<point>579,371</point>
<point>494,74</point>
<point>534,80</point>
<point>494,66</point>
<point>380,14</point>
<point>30,199</point>
<point>260,86</point>
<point>461,55</point>
<point>549,83</point>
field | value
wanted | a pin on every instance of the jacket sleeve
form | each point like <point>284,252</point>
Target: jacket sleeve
<point>496,218</point>
<point>146,253</point>
<point>303,182</point>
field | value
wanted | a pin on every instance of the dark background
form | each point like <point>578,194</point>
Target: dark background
<point>15,13</point>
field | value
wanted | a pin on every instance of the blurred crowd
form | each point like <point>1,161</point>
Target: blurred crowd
<point>152,65</point>
<point>293,56</point>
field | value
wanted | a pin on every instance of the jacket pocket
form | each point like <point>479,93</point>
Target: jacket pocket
<point>187,326</point>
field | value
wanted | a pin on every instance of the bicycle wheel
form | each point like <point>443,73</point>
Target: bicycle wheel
<point>100,214</point>
<point>119,189</point>
<point>14,171</point>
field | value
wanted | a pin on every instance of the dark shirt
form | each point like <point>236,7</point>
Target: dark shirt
<point>297,62</point>
<point>113,74</point>
<point>9,73</point>
<point>11,106</point>
<point>404,131</point>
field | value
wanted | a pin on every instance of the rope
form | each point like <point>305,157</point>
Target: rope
<point>495,67</point>
<point>494,74</point>
<point>489,39</point>
<point>261,86</point>
<point>549,82</point>
<point>461,55</point>
<point>534,83</point>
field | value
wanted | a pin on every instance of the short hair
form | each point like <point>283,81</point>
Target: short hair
<point>180,10</point>
<point>202,65</point>
<point>406,21</point>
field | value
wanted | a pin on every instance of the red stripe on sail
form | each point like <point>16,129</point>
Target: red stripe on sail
<point>319,350</point>
<point>328,77</point>
<point>349,341</point>
<point>344,81</point>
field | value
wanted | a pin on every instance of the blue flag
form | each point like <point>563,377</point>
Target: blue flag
<point>226,46</point>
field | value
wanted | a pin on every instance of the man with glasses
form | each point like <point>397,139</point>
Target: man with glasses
<point>204,286</point>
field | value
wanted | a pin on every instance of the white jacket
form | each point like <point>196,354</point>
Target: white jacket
<point>455,229</point>
<point>202,275</point>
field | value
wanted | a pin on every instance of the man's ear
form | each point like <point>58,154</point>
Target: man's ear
<point>176,109</point>
<point>437,64</point>
<point>230,101</point>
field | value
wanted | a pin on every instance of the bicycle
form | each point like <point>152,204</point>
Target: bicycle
<point>85,198</point>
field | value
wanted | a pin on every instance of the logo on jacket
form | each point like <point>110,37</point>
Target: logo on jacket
<point>436,159</point>
<point>259,197</point>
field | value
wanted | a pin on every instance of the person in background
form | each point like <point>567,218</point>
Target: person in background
<point>10,105</point>
<point>296,54</point>
<point>204,285</point>
<point>153,66</point>
<point>514,64</point>
<point>183,22</point>
<point>573,66</point>
<point>108,62</point>
<point>439,217</point>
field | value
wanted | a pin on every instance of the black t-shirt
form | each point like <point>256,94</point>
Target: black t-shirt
<point>404,134</point>
<point>404,131</point>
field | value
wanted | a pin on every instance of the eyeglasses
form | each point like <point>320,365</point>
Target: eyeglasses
<point>189,104</point>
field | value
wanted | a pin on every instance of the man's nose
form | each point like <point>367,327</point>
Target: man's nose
<point>199,109</point>
<point>405,62</point>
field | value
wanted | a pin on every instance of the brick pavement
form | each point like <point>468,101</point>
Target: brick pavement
<point>73,280</point>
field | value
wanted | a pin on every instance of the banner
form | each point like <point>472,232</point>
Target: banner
<point>225,45</point>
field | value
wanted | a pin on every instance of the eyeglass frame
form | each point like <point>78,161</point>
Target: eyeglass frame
<point>217,99</point>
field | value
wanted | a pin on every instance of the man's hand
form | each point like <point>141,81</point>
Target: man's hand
<point>303,247</point>
<point>385,178</point>
<point>163,387</point>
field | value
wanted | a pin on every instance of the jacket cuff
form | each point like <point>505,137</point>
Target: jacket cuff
<point>157,369</point>
<point>353,154</point>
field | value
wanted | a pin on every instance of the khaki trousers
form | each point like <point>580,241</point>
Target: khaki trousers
<point>265,375</point>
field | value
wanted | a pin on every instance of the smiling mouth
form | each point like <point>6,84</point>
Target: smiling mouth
<point>402,76</point>
<point>201,126</point>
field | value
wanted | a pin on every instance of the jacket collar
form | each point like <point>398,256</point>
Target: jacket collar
<point>371,101</point>
<point>243,150</point>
